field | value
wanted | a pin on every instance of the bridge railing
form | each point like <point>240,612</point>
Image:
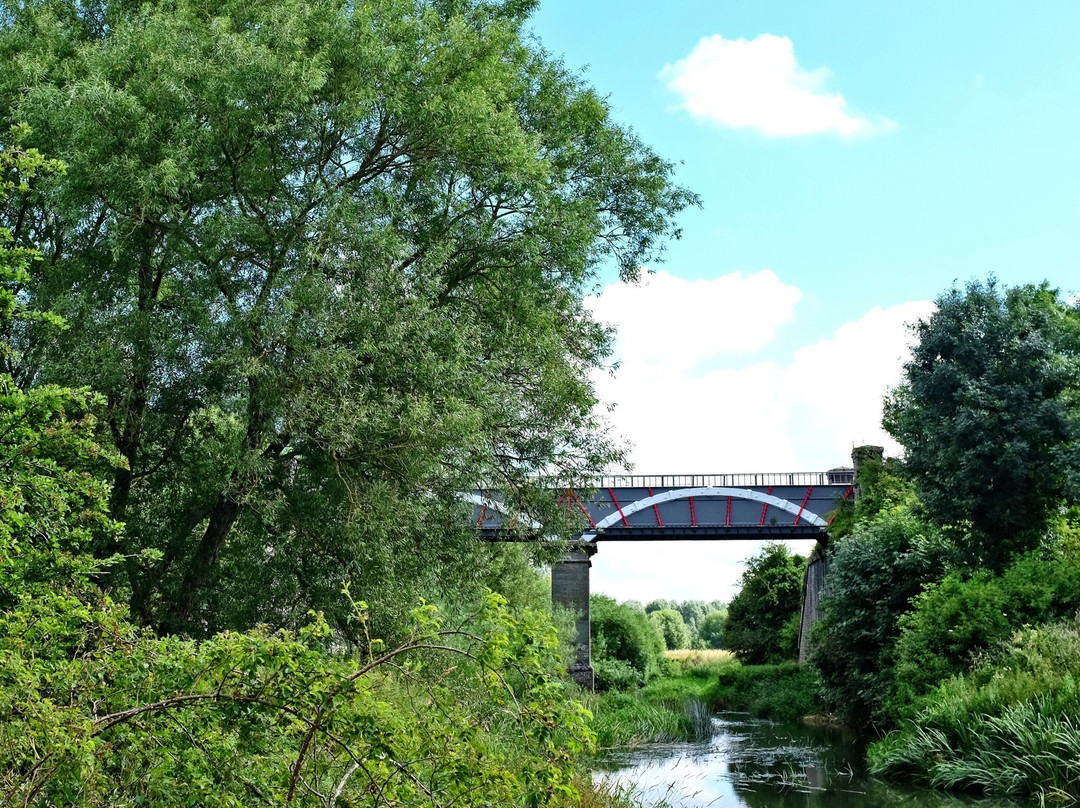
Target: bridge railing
<point>838,476</point>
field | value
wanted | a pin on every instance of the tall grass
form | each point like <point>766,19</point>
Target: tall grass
<point>668,709</point>
<point>611,794</point>
<point>629,719</point>
<point>1024,752</point>
<point>1009,728</point>
<point>708,660</point>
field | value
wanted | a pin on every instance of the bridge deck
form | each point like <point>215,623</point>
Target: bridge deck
<point>698,507</point>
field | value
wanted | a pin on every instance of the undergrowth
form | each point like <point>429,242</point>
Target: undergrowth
<point>785,692</point>
<point>1009,728</point>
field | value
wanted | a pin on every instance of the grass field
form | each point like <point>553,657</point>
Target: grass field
<point>691,660</point>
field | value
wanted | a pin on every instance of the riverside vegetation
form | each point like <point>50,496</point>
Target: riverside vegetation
<point>292,276</point>
<point>950,623</point>
<point>951,633</point>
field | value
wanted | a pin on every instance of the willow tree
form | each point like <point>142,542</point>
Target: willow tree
<point>325,261</point>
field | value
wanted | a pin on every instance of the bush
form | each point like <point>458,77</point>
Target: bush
<point>785,692</point>
<point>770,596</point>
<point>623,635</point>
<point>962,617</point>
<point>873,576</point>
<point>1008,728</point>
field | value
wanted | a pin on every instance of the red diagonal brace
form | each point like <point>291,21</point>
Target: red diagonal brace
<point>846,495</point>
<point>659,521</point>
<point>805,499</point>
<point>611,493</point>
<point>483,511</point>
<point>576,499</point>
<point>765,509</point>
<point>693,518</point>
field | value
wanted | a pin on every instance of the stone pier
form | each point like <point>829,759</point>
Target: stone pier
<point>818,569</point>
<point>570,589</point>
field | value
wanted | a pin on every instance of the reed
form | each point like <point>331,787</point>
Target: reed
<point>1008,728</point>
<point>1023,753</point>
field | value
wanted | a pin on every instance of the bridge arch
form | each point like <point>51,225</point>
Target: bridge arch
<point>489,504</point>
<point>799,512</point>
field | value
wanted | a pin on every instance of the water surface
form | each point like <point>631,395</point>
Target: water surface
<point>760,764</point>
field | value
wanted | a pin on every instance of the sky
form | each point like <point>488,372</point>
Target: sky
<point>854,160</point>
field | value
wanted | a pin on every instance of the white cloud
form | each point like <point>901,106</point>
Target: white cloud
<point>758,84</point>
<point>679,323</point>
<point>804,413</point>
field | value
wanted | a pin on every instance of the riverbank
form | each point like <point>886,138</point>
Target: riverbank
<point>678,707</point>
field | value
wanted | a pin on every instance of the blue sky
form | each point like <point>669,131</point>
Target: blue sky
<point>855,159</point>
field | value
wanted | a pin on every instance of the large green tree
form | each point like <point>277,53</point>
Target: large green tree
<point>325,261</point>
<point>96,712</point>
<point>988,415</point>
<point>761,624</point>
<point>675,632</point>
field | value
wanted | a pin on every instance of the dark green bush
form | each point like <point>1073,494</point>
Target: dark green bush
<point>623,635</point>
<point>615,674</point>
<point>785,692</point>
<point>874,573</point>
<point>964,616</point>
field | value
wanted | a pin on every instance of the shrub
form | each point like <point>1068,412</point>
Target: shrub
<point>784,692</point>
<point>622,634</point>
<point>964,616</point>
<point>873,576</point>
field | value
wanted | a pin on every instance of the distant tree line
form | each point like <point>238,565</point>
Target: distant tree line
<point>629,640</point>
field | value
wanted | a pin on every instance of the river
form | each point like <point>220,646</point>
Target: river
<point>760,764</point>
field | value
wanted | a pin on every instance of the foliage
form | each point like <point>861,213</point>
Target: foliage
<point>18,166</point>
<point>770,598</point>
<point>623,718</point>
<point>627,649</point>
<point>673,630</point>
<point>785,692</point>
<point>711,629</point>
<point>325,261</point>
<point>966,615</point>
<point>693,613</point>
<point>884,486</point>
<point>670,708</point>
<point>268,718</point>
<point>1006,728</point>
<point>95,711</point>
<point>874,574</point>
<point>988,416</point>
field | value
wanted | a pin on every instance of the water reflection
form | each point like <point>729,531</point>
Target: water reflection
<point>759,764</point>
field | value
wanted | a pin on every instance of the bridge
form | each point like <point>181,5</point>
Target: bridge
<point>680,507</point>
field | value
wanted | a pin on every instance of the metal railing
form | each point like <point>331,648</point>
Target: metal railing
<point>839,476</point>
